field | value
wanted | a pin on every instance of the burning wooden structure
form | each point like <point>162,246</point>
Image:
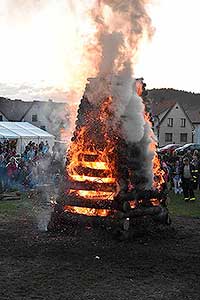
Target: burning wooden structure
<point>106,176</point>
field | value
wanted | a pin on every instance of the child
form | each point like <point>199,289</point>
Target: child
<point>177,178</point>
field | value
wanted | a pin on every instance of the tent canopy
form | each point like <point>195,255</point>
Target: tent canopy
<point>24,132</point>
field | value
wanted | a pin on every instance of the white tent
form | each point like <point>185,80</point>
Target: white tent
<point>24,132</point>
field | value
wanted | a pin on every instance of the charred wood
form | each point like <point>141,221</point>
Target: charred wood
<point>93,186</point>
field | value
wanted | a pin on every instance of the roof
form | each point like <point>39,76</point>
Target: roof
<point>194,115</point>
<point>159,107</point>
<point>14,110</point>
<point>192,112</point>
<point>16,130</point>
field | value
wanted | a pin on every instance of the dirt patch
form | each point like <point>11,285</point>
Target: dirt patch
<point>87,263</point>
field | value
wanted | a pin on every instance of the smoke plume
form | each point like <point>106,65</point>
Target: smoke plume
<point>120,26</point>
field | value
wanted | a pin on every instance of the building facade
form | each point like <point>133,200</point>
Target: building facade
<point>47,115</point>
<point>173,126</point>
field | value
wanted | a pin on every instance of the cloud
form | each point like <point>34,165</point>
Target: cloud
<point>29,93</point>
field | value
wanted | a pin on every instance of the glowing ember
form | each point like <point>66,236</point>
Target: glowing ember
<point>94,194</point>
<point>92,179</point>
<point>91,212</point>
<point>155,202</point>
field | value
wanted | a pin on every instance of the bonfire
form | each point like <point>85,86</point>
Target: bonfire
<point>112,166</point>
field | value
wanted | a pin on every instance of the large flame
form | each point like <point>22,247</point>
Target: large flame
<point>92,161</point>
<point>115,29</point>
<point>156,164</point>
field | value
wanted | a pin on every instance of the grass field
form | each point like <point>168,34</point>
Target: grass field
<point>16,207</point>
<point>177,206</point>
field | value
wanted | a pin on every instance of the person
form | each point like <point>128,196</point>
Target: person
<point>187,180</point>
<point>12,169</point>
<point>2,172</point>
<point>195,171</point>
<point>196,153</point>
<point>46,148</point>
<point>177,178</point>
<point>188,155</point>
<point>41,145</point>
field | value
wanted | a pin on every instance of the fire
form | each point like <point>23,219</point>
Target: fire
<point>157,170</point>
<point>92,156</point>
<point>93,194</point>
<point>158,173</point>
<point>155,202</point>
<point>139,87</point>
<point>85,178</point>
<point>91,212</point>
<point>92,160</point>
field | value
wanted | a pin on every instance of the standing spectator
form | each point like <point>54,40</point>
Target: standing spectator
<point>188,155</point>
<point>2,172</point>
<point>196,153</point>
<point>177,178</point>
<point>46,148</point>
<point>12,169</point>
<point>41,145</point>
<point>187,181</point>
<point>195,171</point>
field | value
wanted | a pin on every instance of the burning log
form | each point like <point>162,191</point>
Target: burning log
<point>108,175</point>
<point>91,186</point>
<point>92,172</point>
<point>74,200</point>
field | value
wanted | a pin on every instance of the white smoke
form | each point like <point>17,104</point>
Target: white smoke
<point>120,27</point>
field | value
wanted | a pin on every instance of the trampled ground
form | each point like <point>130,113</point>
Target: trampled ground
<point>87,263</point>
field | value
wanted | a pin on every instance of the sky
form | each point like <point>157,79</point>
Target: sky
<point>40,47</point>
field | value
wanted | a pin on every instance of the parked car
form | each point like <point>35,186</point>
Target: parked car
<point>183,150</point>
<point>168,149</point>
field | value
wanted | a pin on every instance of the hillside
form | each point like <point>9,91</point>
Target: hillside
<point>187,99</point>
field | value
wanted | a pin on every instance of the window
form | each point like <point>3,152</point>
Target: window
<point>1,118</point>
<point>170,122</point>
<point>183,122</point>
<point>34,118</point>
<point>168,137</point>
<point>183,137</point>
<point>43,127</point>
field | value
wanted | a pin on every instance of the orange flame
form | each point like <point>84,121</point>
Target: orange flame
<point>157,170</point>
<point>91,163</point>
<point>91,212</point>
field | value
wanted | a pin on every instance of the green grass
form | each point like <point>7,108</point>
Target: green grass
<point>10,208</point>
<point>178,207</point>
<point>14,208</point>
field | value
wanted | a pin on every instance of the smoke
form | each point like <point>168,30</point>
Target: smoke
<point>20,11</point>
<point>120,27</point>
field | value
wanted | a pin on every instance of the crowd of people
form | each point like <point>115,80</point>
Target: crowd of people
<point>37,166</point>
<point>182,173</point>
<point>26,170</point>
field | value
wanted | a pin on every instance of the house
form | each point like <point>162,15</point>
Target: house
<point>47,115</point>
<point>50,116</point>
<point>176,123</point>
<point>13,110</point>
